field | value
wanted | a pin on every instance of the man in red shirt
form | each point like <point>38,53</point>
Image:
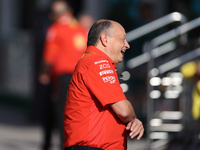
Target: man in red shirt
<point>97,114</point>
<point>65,43</point>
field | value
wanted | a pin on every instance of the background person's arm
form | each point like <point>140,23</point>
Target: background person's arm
<point>45,73</point>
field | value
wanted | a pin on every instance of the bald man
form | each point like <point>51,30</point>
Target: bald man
<point>97,114</point>
<point>65,43</point>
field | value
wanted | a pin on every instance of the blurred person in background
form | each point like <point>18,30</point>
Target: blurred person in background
<point>191,71</point>
<point>86,20</point>
<point>97,114</point>
<point>65,43</point>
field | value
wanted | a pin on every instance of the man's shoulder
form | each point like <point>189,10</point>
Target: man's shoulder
<point>52,28</point>
<point>53,25</point>
<point>90,60</point>
<point>62,28</point>
<point>93,58</point>
<point>57,26</point>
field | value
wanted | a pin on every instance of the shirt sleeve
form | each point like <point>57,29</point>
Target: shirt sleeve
<point>102,82</point>
<point>50,46</point>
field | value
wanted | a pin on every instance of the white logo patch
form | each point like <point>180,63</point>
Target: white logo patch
<point>106,72</point>
<point>110,79</point>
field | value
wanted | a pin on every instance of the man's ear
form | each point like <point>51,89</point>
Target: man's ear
<point>104,40</point>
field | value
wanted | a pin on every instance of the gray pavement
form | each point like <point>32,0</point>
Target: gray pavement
<point>17,132</point>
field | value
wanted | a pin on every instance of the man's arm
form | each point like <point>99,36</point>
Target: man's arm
<point>45,73</point>
<point>125,112</point>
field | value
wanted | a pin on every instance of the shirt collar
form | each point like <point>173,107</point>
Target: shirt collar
<point>100,53</point>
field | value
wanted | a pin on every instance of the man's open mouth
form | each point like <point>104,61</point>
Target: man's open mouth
<point>123,51</point>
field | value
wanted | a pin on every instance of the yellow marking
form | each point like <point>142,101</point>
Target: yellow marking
<point>87,52</point>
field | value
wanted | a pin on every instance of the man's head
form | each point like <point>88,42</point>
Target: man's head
<point>86,20</point>
<point>58,8</point>
<point>110,37</point>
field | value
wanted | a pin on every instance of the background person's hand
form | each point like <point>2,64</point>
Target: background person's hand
<point>44,79</point>
<point>136,128</point>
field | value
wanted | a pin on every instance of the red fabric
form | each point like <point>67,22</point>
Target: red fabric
<point>65,44</point>
<point>88,117</point>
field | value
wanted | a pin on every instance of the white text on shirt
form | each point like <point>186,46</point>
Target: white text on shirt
<point>100,61</point>
<point>103,66</point>
<point>110,79</point>
<point>106,72</point>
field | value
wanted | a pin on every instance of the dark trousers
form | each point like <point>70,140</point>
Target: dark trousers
<point>62,88</point>
<point>80,147</point>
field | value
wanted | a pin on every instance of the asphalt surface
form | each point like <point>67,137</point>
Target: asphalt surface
<point>18,132</point>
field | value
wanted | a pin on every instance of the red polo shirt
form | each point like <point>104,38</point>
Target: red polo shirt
<point>65,44</point>
<point>88,118</point>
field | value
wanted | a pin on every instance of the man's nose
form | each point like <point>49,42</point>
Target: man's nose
<point>127,45</point>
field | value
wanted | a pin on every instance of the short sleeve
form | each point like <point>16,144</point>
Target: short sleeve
<point>102,81</point>
<point>50,46</point>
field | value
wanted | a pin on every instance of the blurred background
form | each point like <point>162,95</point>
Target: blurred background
<point>156,76</point>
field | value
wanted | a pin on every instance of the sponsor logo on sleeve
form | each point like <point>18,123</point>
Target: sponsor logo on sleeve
<point>100,61</point>
<point>110,79</point>
<point>104,66</point>
<point>106,72</point>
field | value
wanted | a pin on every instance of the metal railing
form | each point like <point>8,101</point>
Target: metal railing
<point>179,61</point>
<point>169,65</point>
<point>181,30</point>
<point>154,25</point>
<point>150,27</point>
<point>156,49</point>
